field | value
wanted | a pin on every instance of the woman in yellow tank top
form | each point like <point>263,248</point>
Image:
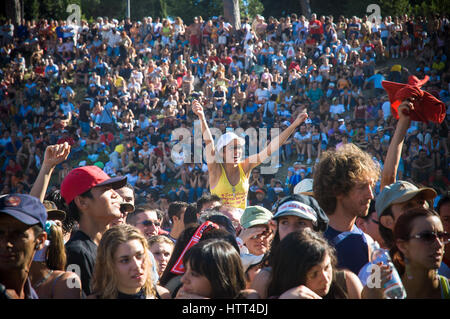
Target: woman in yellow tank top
<point>228,173</point>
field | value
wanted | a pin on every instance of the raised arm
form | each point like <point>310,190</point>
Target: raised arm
<point>394,152</point>
<point>256,159</point>
<point>197,108</point>
<point>54,154</point>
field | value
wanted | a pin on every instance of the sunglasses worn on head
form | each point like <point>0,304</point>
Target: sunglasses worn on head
<point>430,236</point>
<point>150,223</point>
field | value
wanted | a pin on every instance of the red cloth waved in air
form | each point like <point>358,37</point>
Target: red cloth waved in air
<point>426,106</point>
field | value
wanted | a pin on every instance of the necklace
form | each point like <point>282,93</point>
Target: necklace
<point>40,282</point>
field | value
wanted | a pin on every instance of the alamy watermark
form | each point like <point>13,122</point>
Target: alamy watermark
<point>257,144</point>
<point>75,17</point>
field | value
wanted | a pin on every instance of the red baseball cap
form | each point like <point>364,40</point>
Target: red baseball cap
<point>82,179</point>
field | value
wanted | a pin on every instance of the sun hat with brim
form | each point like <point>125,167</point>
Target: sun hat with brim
<point>226,139</point>
<point>255,215</point>
<point>305,186</point>
<point>25,208</point>
<point>53,213</point>
<point>82,179</point>
<point>400,192</point>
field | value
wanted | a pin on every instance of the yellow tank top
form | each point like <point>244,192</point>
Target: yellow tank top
<point>235,196</point>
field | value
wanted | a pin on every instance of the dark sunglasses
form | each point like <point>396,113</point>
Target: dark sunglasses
<point>265,234</point>
<point>150,223</point>
<point>430,236</point>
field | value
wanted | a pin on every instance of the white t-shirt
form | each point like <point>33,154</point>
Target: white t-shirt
<point>145,154</point>
<point>337,109</point>
<point>262,94</point>
<point>386,107</point>
<point>300,137</point>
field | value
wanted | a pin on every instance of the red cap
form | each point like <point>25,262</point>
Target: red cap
<point>82,179</point>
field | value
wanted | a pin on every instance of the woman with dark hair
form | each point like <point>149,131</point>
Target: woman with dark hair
<point>213,270</point>
<point>192,234</point>
<point>181,243</point>
<point>311,271</point>
<point>292,213</point>
<point>419,248</point>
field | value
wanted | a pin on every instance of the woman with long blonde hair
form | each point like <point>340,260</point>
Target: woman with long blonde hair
<point>123,269</point>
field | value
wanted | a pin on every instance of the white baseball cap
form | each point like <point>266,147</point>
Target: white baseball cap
<point>227,138</point>
<point>296,208</point>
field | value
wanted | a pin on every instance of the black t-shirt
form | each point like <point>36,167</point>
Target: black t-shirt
<point>84,109</point>
<point>155,138</point>
<point>82,251</point>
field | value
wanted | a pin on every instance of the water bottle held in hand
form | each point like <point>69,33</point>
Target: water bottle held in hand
<point>393,289</point>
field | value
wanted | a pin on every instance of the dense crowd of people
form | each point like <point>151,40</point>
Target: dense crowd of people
<point>88,115</point>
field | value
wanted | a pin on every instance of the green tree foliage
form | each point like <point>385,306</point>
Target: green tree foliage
<point>188,9</point>
<point>48,9</point>
<point>414,7</point>
<point>252,9</point>
<point>280,8</point>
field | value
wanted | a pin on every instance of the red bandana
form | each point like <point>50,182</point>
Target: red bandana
<point>178,268</point>
<point>426,106</point>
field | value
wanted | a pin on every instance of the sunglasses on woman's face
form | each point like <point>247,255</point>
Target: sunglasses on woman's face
<point>430,236</point>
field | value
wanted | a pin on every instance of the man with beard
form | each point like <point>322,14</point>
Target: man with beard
<point>343,186</point>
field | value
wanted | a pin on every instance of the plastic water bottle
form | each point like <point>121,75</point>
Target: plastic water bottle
<point>393,289</point>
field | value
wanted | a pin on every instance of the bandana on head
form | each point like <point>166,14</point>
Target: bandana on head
<point>178,268</point>
<point>426,106</point>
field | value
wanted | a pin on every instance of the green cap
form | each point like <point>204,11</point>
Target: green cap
<point>400,192</point>
<point>99,164</point>
<point>255,215</point>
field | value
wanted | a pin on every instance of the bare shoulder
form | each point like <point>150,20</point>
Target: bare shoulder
<point>261,282</point>
<point>249,294</point>
<point>67,285</point>
<point>354,285</point>
<point>249,164</point>
<point>163,292</point>
<point>215,170</point>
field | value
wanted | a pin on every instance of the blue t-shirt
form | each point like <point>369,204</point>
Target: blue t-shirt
<point>351,248</point>
<point>251,108</point>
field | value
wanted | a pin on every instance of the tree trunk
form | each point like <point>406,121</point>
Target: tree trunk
<point>306,8</point>
<point>14,10</point>
<point>232,13</point>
